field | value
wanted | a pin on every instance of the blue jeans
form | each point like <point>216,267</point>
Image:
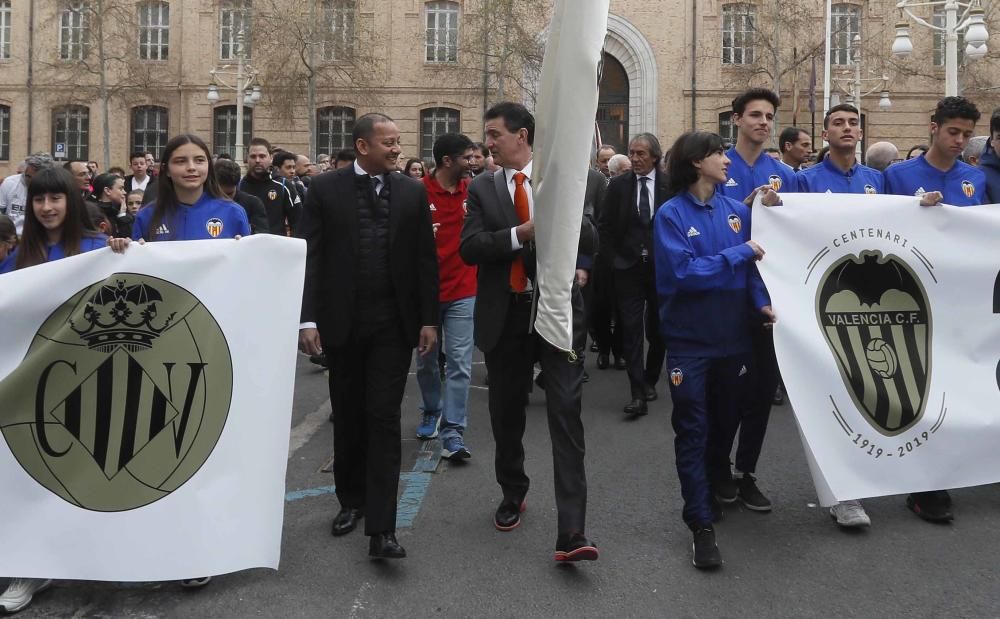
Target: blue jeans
<point>456,337</point>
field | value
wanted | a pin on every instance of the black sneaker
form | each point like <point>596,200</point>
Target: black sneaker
<point>705,554</point>
<point>751,495</point>
<point>933,506</point>
<point>725,489</point>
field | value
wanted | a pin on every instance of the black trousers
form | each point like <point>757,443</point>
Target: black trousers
<point>367,379</point>
<point>755,408</point>
<point>635,288</point>
<point>602,310</point>
<point>510,364</point>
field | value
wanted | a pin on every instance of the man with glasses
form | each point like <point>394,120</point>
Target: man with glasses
<point>14,189</point>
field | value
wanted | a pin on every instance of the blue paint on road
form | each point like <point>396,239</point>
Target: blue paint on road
<point>296,495</point>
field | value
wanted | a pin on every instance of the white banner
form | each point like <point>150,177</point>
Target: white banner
<point>567,104</point>
<point>888,339</point>
<point>145,404</point>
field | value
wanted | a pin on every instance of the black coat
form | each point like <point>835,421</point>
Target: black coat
<point>329,225</point>
<point>256,213</point>
<point>617,213</point>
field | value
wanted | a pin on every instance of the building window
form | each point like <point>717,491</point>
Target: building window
<point>938,19</point>
<point>154,30</point>
<point>224,131</point>
<point>442,32</point>
<point>434,122</point>
<point>846,25</point>
<point>4,133</point>
<point>334,126</point>
<point>149,129</point>
<point>738,33</point>
<point>73,34</point>
<point>71,128</point>
<point>338,25</point>
<point>4,29</point>
<point>234,17</point>
<point>727,130</point>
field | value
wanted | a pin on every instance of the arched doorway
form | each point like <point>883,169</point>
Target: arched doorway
<point>613,104</point>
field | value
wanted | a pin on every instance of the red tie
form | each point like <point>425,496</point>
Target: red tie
<point>518,279</point>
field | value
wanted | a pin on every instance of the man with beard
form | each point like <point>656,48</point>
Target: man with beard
<point>283,205</point>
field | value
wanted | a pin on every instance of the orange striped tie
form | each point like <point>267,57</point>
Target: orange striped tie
<point>518,278</point>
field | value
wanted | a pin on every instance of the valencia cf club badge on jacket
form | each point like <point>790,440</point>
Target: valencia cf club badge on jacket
<point>874,313</point>
<point>122,396</point>
<point>214,227</point>
<point>676,377</point>
<point>272,195</point>
<point>968,189</point>
<point>774,181</point>
<point>735,223</point>
<point>870,190</point>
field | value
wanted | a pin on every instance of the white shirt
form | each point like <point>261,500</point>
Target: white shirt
<point>651,175</point>
<point>511,186</point>
<point>13,199</point>
<point>136,184</point>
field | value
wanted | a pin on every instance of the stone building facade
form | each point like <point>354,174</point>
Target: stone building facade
<point>671,66</point>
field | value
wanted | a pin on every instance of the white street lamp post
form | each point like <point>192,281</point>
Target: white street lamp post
<point>960,16</point>
<point>247,92</point>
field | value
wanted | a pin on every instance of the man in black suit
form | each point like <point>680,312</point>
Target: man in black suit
<point>498,237</point>
<point>626,232</point>
<point>371,296</point>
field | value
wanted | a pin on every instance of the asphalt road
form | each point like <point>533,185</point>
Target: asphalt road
<point>792,562</point>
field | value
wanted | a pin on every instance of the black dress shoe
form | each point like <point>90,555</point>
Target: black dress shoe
<point>508,516</point>
<point>603,362</point>
<point>385,546</point>
<point>649,394</point>
<point>636,408</point>
<point>346,520</point>
<point>620,363</point>
<point>575,547</point>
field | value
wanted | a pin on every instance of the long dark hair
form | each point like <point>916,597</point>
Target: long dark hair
<point>423,167</point>
<point>690,147</point>
<point>102,182</point>
<point>166,204</point>
<point>32,249</point>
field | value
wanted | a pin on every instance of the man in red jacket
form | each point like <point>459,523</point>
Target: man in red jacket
<point>444,410</point>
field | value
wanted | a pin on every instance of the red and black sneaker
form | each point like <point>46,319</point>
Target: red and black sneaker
<point>575,547</point>
<point>508,515</point>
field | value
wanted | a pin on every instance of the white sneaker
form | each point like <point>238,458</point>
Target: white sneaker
<point>850,514</point>
<point>19,593</point>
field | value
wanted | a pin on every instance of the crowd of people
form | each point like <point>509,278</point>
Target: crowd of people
<point>439,257</point>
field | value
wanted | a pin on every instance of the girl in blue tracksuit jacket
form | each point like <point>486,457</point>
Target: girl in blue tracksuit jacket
<point>709,293</point>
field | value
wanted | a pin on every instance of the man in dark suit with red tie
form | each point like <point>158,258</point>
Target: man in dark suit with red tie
<point>625,227</point>
<point>371,296</point>
<point>498,236</point>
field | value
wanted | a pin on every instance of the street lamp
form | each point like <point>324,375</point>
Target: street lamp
<point>970,22</point>
<point>243,84</point>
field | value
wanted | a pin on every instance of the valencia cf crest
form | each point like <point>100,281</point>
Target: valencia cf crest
<point>870,190</point>
<point>122,396</point>
<point>735,223</point>
<point>774,181</point>
<point>875,315</point>
<point>272,195</point>
<point>214,227</point>
<point>968,189</point>
<point>676,377</point>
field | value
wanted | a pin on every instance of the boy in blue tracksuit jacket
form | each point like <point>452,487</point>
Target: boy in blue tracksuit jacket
<point>709,293</point>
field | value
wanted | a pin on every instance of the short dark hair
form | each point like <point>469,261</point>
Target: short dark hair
<point>227,172</point>
<point>451,145</point>
<point>259,142</point>
<point>755,94</point>
<point>364,127</point>
<point>281,157</point>
<point>346,154</point>
<point>515,117</point>
<point>483,150</point>
<point>995,122</point>
<point>955,107</point>
<point>654,145</point>
<point>137,154</point>
<point>224,156</point>
<point>842,107</point>
<point>690,147</point>
<point>789,135</point>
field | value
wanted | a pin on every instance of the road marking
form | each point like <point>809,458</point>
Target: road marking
<point>359,600</point>
<point>308,426</point>
<point>296,495</point>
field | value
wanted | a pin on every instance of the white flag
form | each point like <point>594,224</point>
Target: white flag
<point>567,106</point>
